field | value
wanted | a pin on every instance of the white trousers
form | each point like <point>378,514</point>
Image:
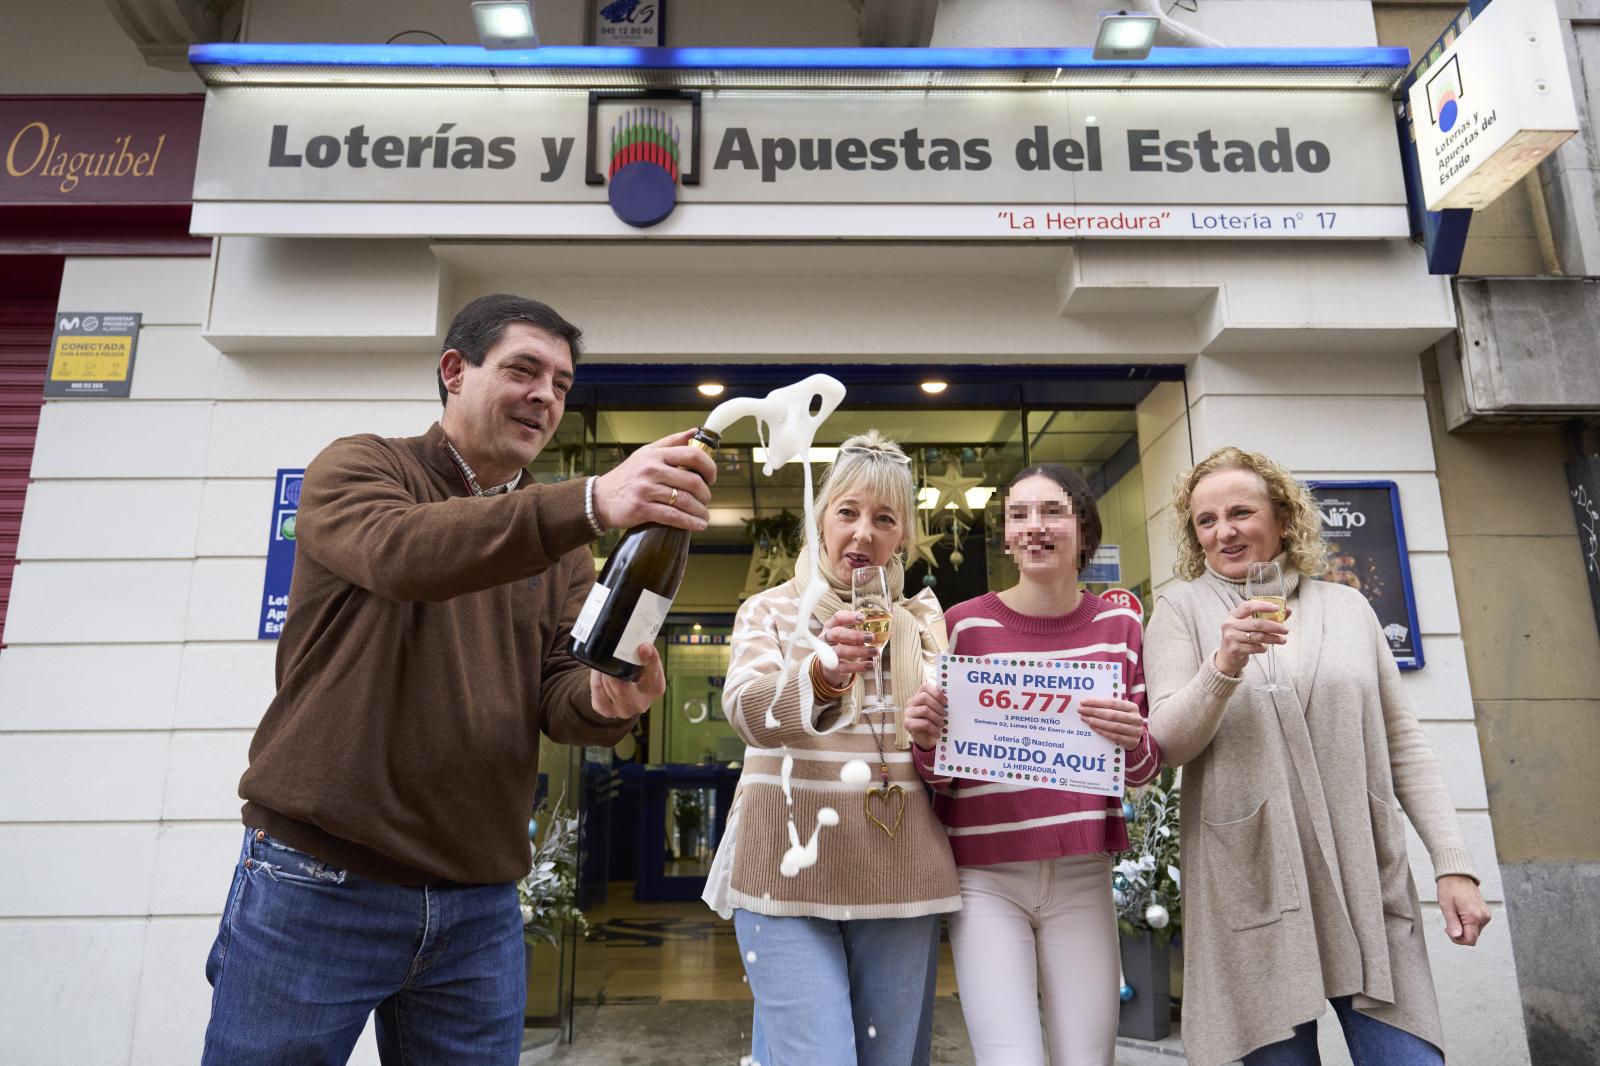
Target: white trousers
<point>1032,931</point>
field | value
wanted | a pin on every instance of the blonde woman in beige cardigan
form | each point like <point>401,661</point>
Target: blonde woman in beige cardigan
<point>833,866</point>
<point>1296,888</point>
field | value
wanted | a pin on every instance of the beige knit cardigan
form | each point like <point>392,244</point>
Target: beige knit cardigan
<point>1273,785</point>
<point>861,872</point>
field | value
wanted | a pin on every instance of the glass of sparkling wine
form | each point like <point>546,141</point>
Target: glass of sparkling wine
<point>1264,581</point>
<point>869,593</point>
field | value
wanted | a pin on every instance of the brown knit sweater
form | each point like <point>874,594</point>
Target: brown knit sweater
<point>860,871</point>
<point>426,649</point>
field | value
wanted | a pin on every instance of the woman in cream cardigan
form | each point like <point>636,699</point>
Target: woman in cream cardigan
<point>1296,887</point>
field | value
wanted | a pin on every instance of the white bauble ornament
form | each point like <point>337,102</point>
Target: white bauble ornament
<point>1156,916</point>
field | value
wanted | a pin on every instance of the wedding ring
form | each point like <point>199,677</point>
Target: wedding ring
<point>673,499</point>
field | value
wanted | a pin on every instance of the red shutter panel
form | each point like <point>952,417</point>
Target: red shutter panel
<point>25,328</point>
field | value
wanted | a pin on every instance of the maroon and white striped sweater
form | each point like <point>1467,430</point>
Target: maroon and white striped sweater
<point>994,823</point>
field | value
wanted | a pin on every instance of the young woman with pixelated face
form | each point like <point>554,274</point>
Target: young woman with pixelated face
<point>1037,921</point>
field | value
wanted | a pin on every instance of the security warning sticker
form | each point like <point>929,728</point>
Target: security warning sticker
<point>91,353</point>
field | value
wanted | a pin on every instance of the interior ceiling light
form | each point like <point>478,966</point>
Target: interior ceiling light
<point>505,24</point>
<point>934,388</point>
<point>977,498</point>
<point>1125,36</point>
<point>710,388</point>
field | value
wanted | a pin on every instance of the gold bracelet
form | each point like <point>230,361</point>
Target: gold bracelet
<point>820,687</point>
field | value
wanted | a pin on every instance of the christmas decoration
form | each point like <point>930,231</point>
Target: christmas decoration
<point>547,896</point>
<point>952,488</point>
<point>772,551</point>
<point>920,547</point>
<point>780,566</point>
<point>1146,883</point>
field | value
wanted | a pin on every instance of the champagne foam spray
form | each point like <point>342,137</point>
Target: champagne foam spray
<point>786,427</point>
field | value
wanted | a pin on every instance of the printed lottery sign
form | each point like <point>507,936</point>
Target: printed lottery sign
<point>1015,721</point>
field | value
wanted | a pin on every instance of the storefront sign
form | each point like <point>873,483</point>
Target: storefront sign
<point>1105,566</point>
<point>630,23</point>
<point>98,150</point>
<point>1491,99</point>
<point>1362,524</point>
<point>1155,162</point>
<point>280,554</point>
<point>91,353</point>
<point>1016,721</point>
<point>1583,478</point>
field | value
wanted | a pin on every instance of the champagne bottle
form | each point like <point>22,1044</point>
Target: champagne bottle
<point>634,593</point>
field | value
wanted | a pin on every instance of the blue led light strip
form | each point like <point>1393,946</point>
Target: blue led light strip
<point>839,59</point>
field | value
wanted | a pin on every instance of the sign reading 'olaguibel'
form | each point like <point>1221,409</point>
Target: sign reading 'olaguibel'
<point>1154,163</point>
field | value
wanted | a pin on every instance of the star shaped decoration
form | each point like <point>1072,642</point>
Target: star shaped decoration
<point>953,489</point>
<point>921,545</point>
<point>780,567</point>
<point>755,578</point>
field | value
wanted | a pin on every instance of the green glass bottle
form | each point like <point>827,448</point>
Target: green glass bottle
<point>631,599</point>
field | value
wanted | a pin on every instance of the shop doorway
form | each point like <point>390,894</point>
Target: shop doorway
<point>653,810</point>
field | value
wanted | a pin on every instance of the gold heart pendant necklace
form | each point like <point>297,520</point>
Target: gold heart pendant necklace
<point>893,811</point>
<point>888,793</point>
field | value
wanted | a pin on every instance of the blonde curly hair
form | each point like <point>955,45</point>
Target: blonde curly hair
<point>1292,502</point>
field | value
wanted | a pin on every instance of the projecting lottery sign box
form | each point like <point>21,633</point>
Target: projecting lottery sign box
<point>1489,104</point>
<point>1015,721</point>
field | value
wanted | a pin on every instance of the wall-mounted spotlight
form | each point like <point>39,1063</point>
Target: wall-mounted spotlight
<point>505,24</point>
<point>1125,36</point>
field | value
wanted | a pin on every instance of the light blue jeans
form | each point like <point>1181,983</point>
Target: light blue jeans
<point>840,993</point>
<point>1371,1043</point>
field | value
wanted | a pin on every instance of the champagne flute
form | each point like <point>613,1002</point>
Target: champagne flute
<point>1264,581</point>
<point>869,594</point>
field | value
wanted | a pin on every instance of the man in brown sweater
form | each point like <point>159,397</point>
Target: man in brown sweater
<point>425,651</point>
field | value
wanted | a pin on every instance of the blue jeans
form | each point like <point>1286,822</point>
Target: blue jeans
<point>1371,1043</point>
<point>811,975</point>
<point>306,952</point>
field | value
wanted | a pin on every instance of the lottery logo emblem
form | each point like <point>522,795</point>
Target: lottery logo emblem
<point>642,180</point>
<point>1444,95</point>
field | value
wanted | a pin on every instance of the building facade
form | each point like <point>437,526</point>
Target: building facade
<point>132,674</point>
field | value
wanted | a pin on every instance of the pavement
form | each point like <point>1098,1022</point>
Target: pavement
<point>717,1033</point>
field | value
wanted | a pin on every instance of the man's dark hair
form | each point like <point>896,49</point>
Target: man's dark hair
<point>1083,504</point>
<point>479,326</point>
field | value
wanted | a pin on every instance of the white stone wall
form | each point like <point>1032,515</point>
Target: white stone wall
<point>133,679</point>
<point>1359,415</point>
